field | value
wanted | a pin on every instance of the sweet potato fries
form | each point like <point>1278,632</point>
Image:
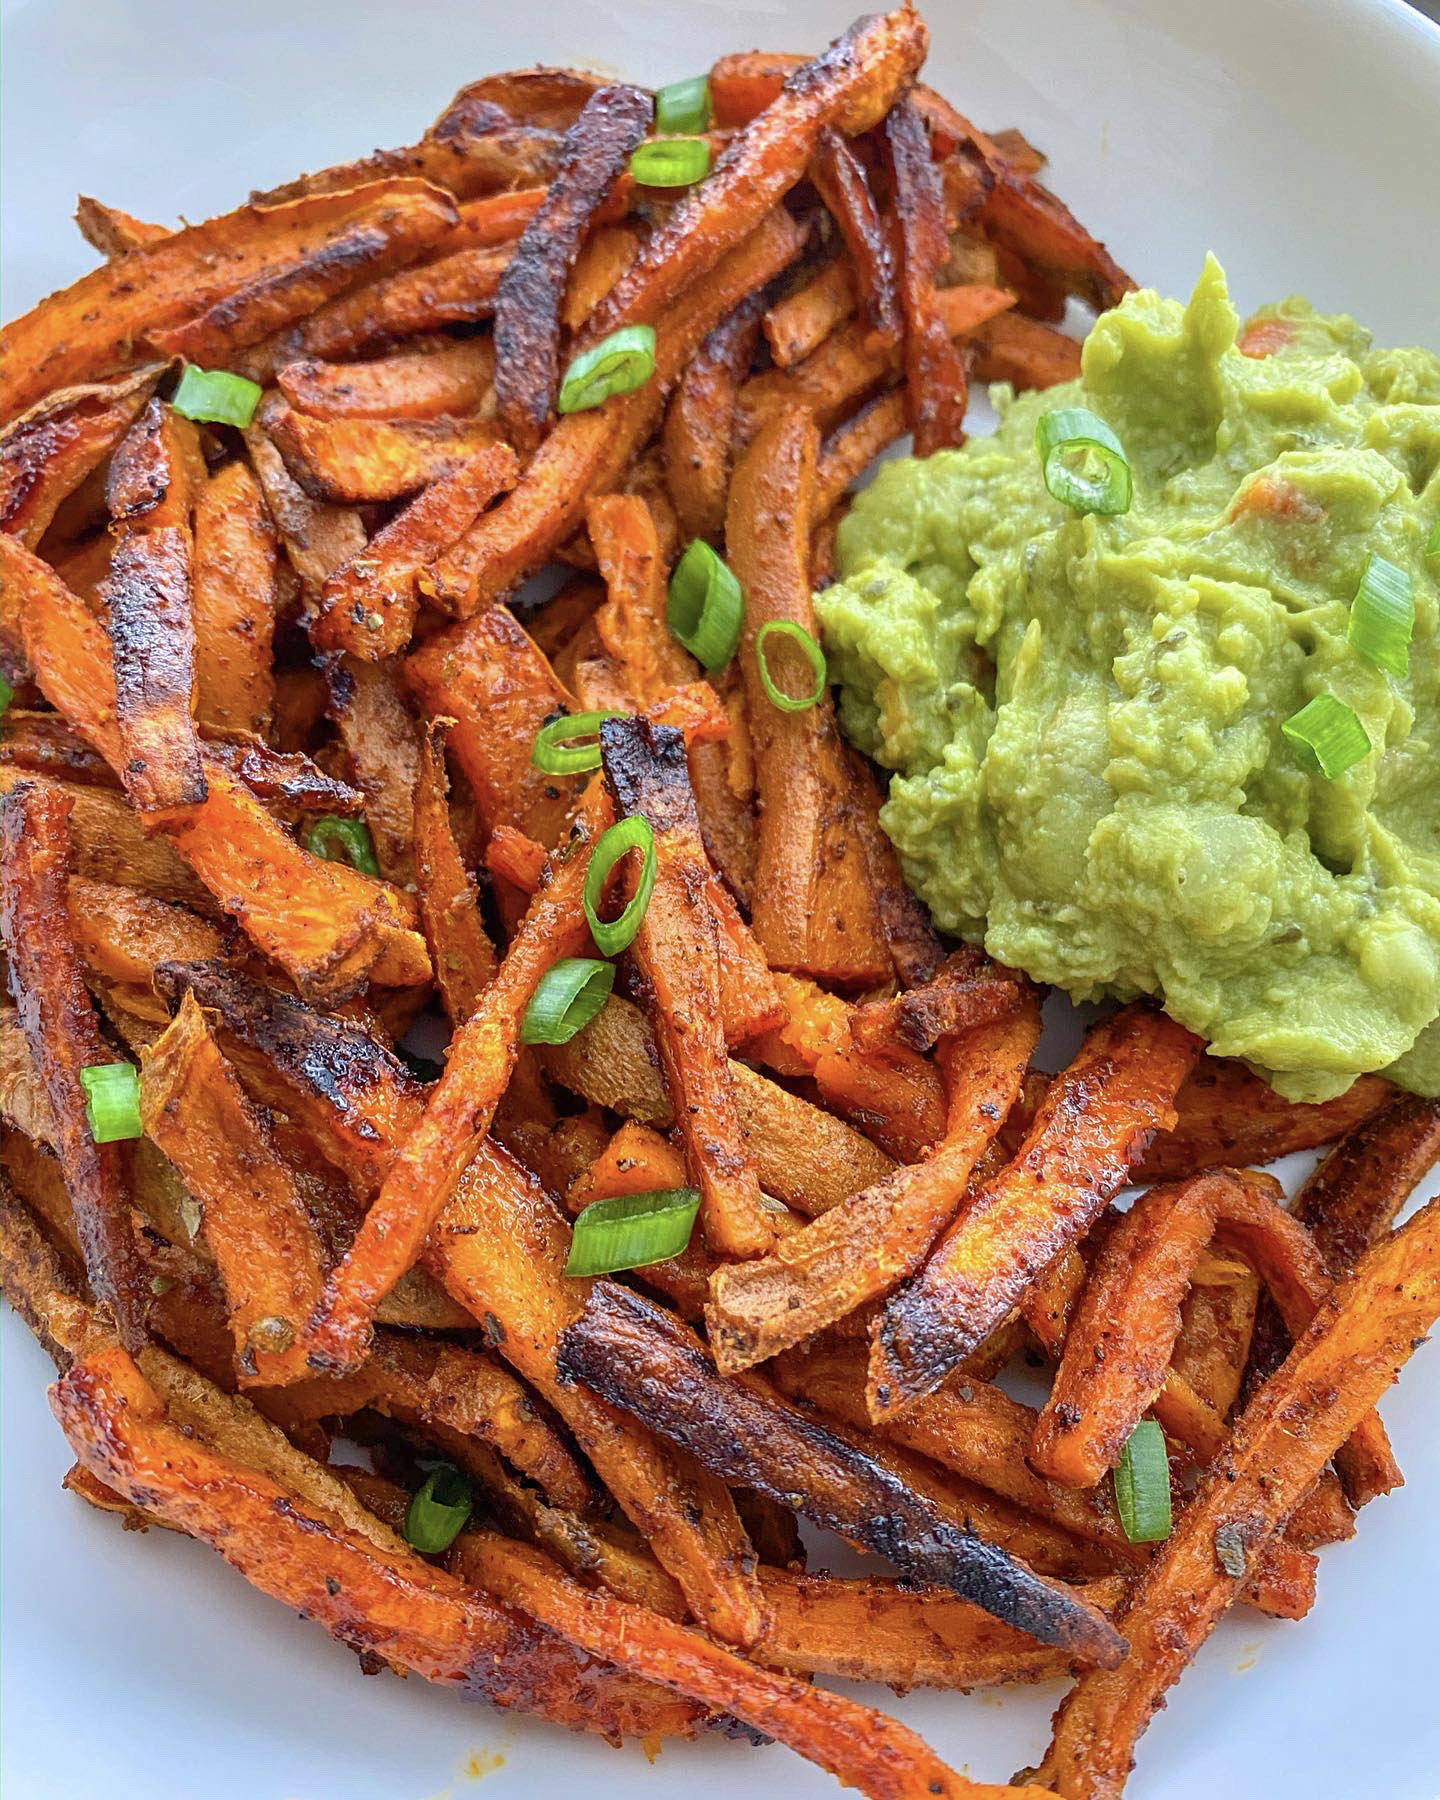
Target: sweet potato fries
<point>736,1190</point>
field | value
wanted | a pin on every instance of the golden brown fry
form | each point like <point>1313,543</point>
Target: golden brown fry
<point>604,257</point>
<point>677,950</point>
<point>527,307</point>
<point>49,452</point>
<point>110,846</point>
<point>382,742</point>
<point>113,232</point>
<point>124,935</point>
<point>1357,1191</point>
<point>60,1028</point>
<point>854,444</point>
<point>453,380</point>
<point>253,1216</point>
<point>850,87</point>
<point>800,322</point>
<point>1027,354</point>
<point>148,598</point>
<point>318,539</point>
<point>1091,1129</point>
<point>844,186</point>
<point>460,949</point>
<point>458,289</point>
<point>235,602</point>
<point>355,460</point>
<point>228,281</point>
<point>1361,1336</point>
<point>699,422</point>
<point>631,623</point>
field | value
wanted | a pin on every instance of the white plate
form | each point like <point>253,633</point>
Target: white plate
<point>1300,142</point>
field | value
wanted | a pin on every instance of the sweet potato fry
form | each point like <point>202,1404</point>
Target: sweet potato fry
<point>813,911</point>
<point>588,451</point>
<point>109,845</point>
<point>1120,1340</point>
<point>148,596</point>
<point>124,935</point>
<point>850,87</point>
<point>936,383</point>
<point>800,322</point>
<point>1027,354</point>
<point>253,1216</point>
<point>369,460</point>
<point>868,1243</point>
<point>487,675</point>
<point>368,604</point>
<point>631,622</point>
<point>47,983</point>
<point>1356,1192</point>
<point>460,950</point>
<point>1361,1336</point>
<point>637,1356</point>
<point>500,1249</point>
<point>1216,1321</point>
<point>915,950</point>
<point>42,743</point>
<point>458,289</point>
<point>804,1156</point>
<point>457,1115</point>
<point>527,306</point>
<point>855,443</point>
<point>965,991</point>
<point>451,381</point>
<point>235,599</point>
<point>382,743</point>
<point>861,1748</point>
<point>1025,217</point>
<point>230,281</point>
<point>113,232</point>
<point>677,952</point>
<point>699,423</point>
<point>844,186</point>
<point>364,1587</point>
<point>1090,1131</point>
<point>318,538</point>
<point>47,453</point>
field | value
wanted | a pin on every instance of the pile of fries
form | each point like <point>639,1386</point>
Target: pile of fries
<point>291,763</point>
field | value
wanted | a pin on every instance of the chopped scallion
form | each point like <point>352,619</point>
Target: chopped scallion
<point>1083,462</point>
<point>1142,1485</point>
<point>684,105</point>
<point>560,748</point>
<point>618,364</point>
<point>814,655</point>
<point>630,1230</point>
<point>343,841</point>
<point>614,935</point>
<point>438,1513</point>
<point>1329,735</point>
<point>112,1101</point>
<point>216,397</point>
<point>705,606</point>
<point>566,1000</point>
<point>671,162</point>
<point>1382,616</point>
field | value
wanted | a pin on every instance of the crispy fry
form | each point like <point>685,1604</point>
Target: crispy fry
<point>234,602</point>
<point>850,88</point>
<point>844,186</point>
<point>965,991</point>
<point>631,622</point>
<point>61,1031</point>
<point>699,423</point>
<point>318,538</point>
<point>800,322</point>
<point>1217,1318</point>
<point>124,935</point>
<point>488,676</point>
<point>113,232</point>
<point>456,289</point>
<point>253,1216</point>
<point>915,950</point>
<point>110,846</point>
<point>813,912</point>
<point>460,949</point>
<point>1356,1192</point>
<point>677,950</point>
<point>364,1587</point>
<point>351,460</point>
<point>936,383</point>
<point>42,743</point>
<point>382,742</point>
<point>1091,1130</point>
<point>862,1748</point>
<point>453,380</point>
<point>532,289</point>
<point>855,443</point>
<point>208,287</point>
<point>1360,1337</point>
<point>148,596</point>
<point>49,452</point>
<point>587,451</point>
<point>1027,354</point>
<point>639,1357</point>
<point>873,1240</point>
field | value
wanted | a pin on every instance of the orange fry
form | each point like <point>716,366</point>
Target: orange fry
<point>936,383</point>
<point>46,454</point>
<point>699,423</point>
<point>373,460</point>
<point>235,602</point>
<point>453,379</point>
<point>460,950</point>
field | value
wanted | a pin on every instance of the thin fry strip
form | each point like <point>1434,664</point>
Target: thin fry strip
<point>677,950</point>
<point>850,87</point>
<point>113,232</point>
<point>1362,1334</point>
<point>812,908</point>
<point>699,422</point>
<point>148,597</point>
<point>864,1246</point>
<point>861,1748</point>
<point>382,741</point>
<point>454,380</point>
<point>1091,1129</point>
<point>361,1590</point>
<point>443,1141</point>
<point>63,1036</point>
<point>374,460</point>
<point>1357,1191</point>
<point>235,603</point>
<point>254,1218</point>
<point>855,443</point>
<point>631,621</point>
<point>460,949</point>
<point>844,186</point>
<point>458,289</point>
<point>532,289</point>
<point>47,453</point>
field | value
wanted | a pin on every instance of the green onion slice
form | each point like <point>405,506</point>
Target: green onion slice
<point>566,1000</point>
<point>343,841</point>
<point>684,105</point>
<point>1326,731</point>
<point>705,607</point>
<point>437,1514</point>
<point>814,655</point>
<point>112,1101</point>
<point>630,1230</point>
<point>1432,547</point>
<point>1382,616</point>
<point>618,364</point>
<point>614,935</point>
<point>7,694</point>
<point>559,747</point>
<point>1142,1485</point>
<point>215,396</point>
<point>671,162</point>
<point>1083,462</point>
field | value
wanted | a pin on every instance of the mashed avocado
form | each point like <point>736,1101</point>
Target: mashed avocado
<point>1084,712</point>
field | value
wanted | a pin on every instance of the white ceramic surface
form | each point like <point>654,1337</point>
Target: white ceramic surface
<point>1300,140</point>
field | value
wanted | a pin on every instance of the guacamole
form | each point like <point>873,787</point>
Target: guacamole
<point>1084,712</point>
